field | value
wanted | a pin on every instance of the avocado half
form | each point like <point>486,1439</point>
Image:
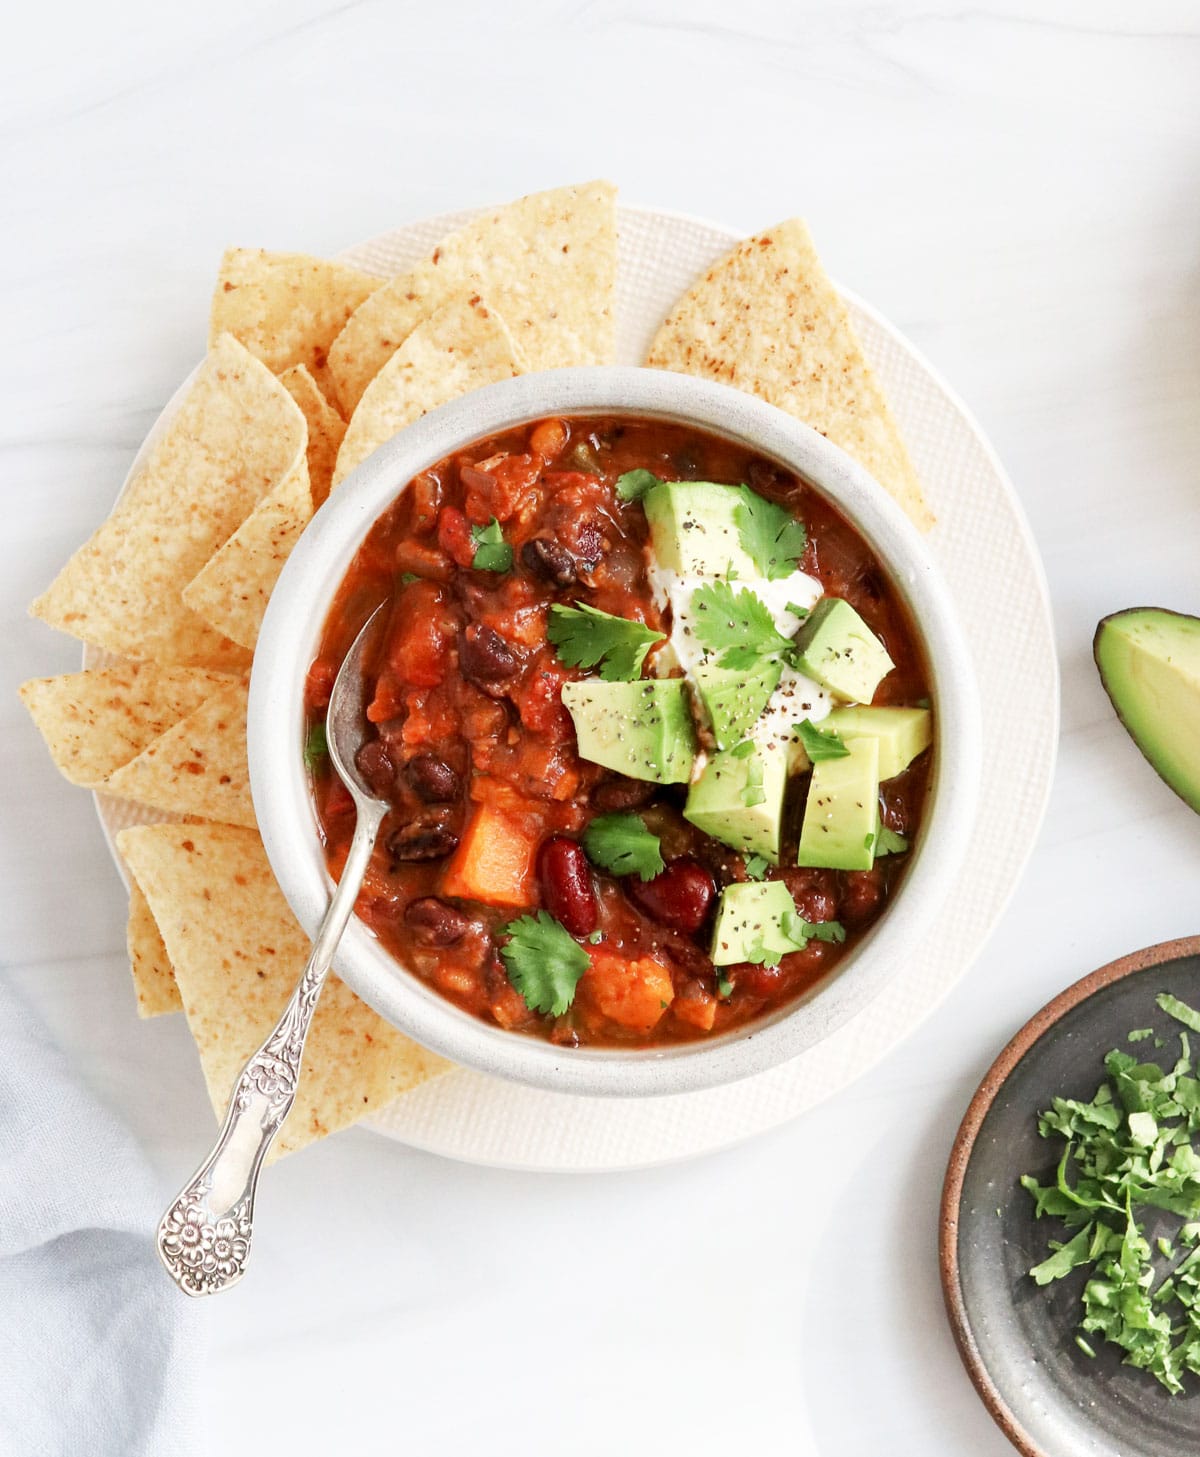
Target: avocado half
<point>1149,662</point>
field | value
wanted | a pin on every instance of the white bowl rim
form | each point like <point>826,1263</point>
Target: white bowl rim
<point>287,644</point>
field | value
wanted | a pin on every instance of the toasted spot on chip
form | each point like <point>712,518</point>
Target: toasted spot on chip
<point>459,348</point>
<point>325,429</point>
<point>233,991</point>
<point>153,979</point>
<point>559,306</point>
<point>95,721</point>
<point>237,434</point>
<point>198,767</point>
<point>286,308</point>
<point>232,589</point>
<point>767,320</point>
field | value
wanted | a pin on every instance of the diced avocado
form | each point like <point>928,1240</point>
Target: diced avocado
<point>734,697</point>
<point>841,812</point>
<point>751,920</point>
<point>837,648</point>
<point>903,733</point>
<point>1149,661</point>
<point>738,798</point>
<point>642,729</point>
<point>694,530</point>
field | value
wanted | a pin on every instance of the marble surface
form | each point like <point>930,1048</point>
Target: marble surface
<point>1016,186</point>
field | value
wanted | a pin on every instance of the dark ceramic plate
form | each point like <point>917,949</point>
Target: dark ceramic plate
<point>1016,1340</point>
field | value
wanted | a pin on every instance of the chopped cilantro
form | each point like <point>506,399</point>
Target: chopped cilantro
<point>756,866</point>
<point>797,933</point>
<point>634,484</point>
<point>595,938</point>
<point>797,611</point>
<point>724,985</point>
<point>544,962</point>
<point>492,552</point>
<point>407,577</point>
<point>770,534</point>
<point>1128,1153</point>
<point>819,744</point>
<point>315,746</point>
<point>889,842</point>
<point>622,844</point>
<point>584,637</point>
<point>740,751</point>
<point>736,625</point>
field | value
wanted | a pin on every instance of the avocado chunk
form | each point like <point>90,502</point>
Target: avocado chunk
<point>842,810</point>
<point>837,648</point>
<point>903,733</point>
<point>642,729</point>
<point>1149,661</point>
<point>694,529</point>
<point>738,798</point>
<point>751,920</point>
<point>734,698</point>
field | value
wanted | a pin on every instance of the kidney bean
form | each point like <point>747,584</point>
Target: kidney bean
<point>376,767</point>
<point>424,839</point>
<point>620,793</point>
<point>862,896</point>
<point>680,896</point>
<point>432,778</point>
<point>814,892</point>
<point>484,655</point>
<point>566,881</point>
<point>546,559</point>
<point>434,923</point>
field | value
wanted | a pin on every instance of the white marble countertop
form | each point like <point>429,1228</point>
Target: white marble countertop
<point>1017,186</point>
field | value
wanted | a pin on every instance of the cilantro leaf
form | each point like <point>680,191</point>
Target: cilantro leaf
<point>797,933</point>
<point>634,484</point>
<point>621,844</point>
<point>737,625</point>
<point>756,866</point>
<point>492,552</point>
<point>888,842</point>
<point>544,962</point>
<point>1173,1007</point>
<point>407,577</point>
<point>820,744</point>
<point>770,534</point>
<point>584,637</point>
<point>315,746</point>
<point>724,985</point>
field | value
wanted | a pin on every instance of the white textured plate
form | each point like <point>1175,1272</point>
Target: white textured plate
<point>984,547</point>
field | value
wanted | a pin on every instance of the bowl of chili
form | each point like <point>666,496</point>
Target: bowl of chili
<point>636,621</point>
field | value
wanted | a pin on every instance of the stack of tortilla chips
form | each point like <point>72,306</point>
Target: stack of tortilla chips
<point>311,366</point>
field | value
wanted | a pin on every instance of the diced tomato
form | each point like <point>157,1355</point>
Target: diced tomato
<point>388,702</point>
<point>423,633</point>
<point>319,685</point>
<point>539,701</point>
<point>338,800</point>
<point>497,487</point>
<point>423,561</point>
<point>454,536</point>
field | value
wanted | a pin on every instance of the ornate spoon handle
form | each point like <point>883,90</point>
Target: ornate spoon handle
<point>204,1236</point>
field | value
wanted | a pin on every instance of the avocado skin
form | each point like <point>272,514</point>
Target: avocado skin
<point>1114,650</point>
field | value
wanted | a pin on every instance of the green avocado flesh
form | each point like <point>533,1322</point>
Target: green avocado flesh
<point>841,815</point>
<point>643,729</point>
<point>734,697</point>
<point>751,920</point>
<point>694,529</point>
<point>739,799</point>
<point>1149,662</point>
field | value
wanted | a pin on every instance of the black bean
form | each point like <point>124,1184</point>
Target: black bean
<point>484,655</point>
<point>376,767</point>
<point>763,475</point>
<point>545,558</point>
<point>434,923</point>
<point>432,778</point>
<point>423,839</point>
<point>620,793</point>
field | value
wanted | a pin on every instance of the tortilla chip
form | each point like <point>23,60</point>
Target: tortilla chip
<point>461,347</point>
<point>93,722</point>
<point>231,591</point>
<point>767,320</point>
<point>547,263</point>
<point>153,979</point>
<point>199,766</point>
<point>286,308</point>
<point>238,954</point>
<point>325,429</point>
<point>235,437</point>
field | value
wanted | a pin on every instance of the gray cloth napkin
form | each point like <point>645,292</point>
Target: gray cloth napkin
<point>98,1350</point>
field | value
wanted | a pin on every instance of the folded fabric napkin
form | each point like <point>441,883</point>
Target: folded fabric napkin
<point>98,1350</point>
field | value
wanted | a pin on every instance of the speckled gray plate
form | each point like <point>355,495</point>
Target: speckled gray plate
<point>1017,1341</point>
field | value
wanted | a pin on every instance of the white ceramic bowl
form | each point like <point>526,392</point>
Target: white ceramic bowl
<point>288,641</point>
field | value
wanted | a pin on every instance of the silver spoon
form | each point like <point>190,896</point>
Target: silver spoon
<point>204,1236</point>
